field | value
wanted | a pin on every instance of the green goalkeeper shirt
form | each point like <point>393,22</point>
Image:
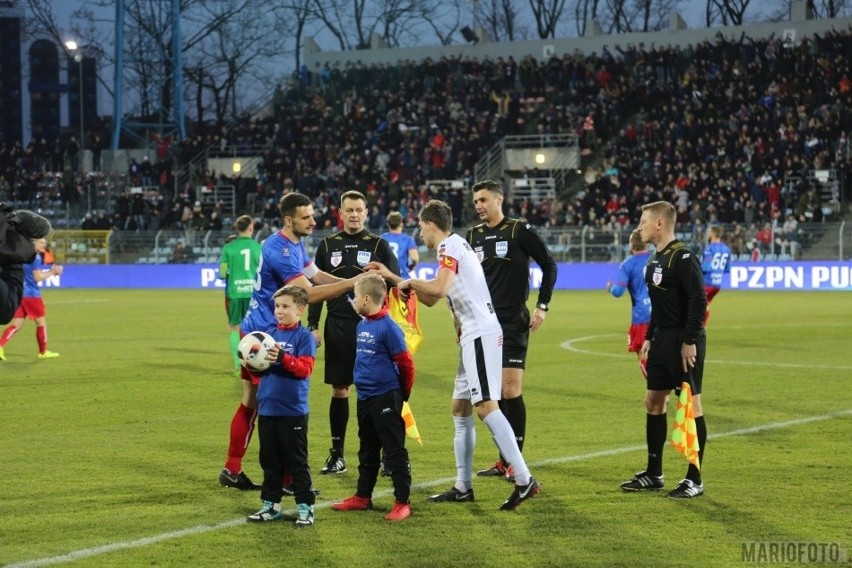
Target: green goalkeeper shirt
<point>238,265</point>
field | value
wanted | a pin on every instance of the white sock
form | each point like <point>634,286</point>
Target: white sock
<point>505,440</point>
<point>463,443</point>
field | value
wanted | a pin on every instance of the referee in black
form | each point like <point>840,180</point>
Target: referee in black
<point>504,247</point>
<point>344,254</point>
<point>674,345</point>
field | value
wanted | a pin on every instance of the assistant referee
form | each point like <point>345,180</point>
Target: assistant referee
<point>674,345</point>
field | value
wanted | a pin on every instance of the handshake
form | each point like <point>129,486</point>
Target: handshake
<point>18,229</point>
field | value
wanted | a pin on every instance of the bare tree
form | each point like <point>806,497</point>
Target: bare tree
<point>352,23</point>
<point>830,8</point>
<point>547,14</point>
<point>237,52</point>
<point>585,11</point>
<point>345,25</point>
<point>731,12</point>
<point>499,18</point>
<point>622,16</point>
<point>447,19</point>
<point>224,45</point>
<point>294,16</point>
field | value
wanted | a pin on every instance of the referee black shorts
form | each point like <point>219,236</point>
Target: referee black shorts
<point>515,322</point>
<point>665,367</point>
<point>339,341</point>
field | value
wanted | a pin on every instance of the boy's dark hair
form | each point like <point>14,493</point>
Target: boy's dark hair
<point>289,203</point>
<point>243,222</point>
<point>490,185</point>
<point>394,219</point>
<point>439,213</point>
<point>374,286</point>
<point>299,294</point>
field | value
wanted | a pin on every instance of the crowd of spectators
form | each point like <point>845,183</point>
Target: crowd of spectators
<point>720,128</point>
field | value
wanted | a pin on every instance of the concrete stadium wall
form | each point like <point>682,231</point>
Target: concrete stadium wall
<point>798,27</point>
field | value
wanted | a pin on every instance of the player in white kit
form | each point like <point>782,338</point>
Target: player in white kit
<point>478,384</point>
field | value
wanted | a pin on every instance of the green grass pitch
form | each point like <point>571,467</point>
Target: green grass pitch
<point>110,454</point>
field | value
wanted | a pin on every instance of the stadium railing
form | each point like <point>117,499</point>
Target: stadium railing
<point>818,241</point>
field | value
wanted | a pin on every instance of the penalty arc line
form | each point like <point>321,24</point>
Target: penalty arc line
<point>569,345</point>
<point>199,529</point>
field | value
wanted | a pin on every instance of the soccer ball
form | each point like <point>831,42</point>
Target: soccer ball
<point>253,348</point>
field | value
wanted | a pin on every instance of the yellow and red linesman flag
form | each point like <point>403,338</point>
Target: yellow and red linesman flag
<point>684,433</point>
<point>410,424</point>
<point>403,310</point>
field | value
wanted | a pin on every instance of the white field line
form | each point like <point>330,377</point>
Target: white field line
<point>199,529</point>
<point>570,345</point>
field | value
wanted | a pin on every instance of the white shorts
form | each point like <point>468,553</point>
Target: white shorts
<point>480,374</point>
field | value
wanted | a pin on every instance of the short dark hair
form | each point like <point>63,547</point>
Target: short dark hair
<point>289,203</point>
<point>394,219</point>
<point>353,194</point>
<point>243,222</point>
<point>299,294</point>
<point>490,185</point>
<point>439,213</point>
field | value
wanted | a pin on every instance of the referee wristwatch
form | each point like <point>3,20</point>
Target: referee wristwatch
<point>542,306</point>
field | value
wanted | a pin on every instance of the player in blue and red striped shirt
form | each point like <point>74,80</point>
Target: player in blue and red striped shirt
<point>631,277</point>
<point>715,263</point>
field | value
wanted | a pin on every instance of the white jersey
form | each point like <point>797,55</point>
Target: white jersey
<point>469,298</point>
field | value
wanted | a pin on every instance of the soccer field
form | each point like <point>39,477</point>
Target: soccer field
<point>110,454</point>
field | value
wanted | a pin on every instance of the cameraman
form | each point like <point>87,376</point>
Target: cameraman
<point>18,229</point>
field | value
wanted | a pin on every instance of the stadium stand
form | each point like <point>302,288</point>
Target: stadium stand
<point>733,131</point>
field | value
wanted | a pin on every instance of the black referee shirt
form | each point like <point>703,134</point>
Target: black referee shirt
<point>505,251</point>
<point>344,255</point>
<point>676,286</point>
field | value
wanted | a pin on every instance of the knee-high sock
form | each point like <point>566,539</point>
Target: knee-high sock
<point>502,405</point>
<point>693,474</point>
<point>242,427</point>
<point>464,441</point>
<point>338,417</point>
<point>503,436</point>
<point>7,335</point>
<point>516,413</point>
<point>655,433</point>
<point>234,341</point>
<point>41,337</point>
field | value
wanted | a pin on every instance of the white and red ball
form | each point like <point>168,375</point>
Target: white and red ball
<point>253,348</point>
